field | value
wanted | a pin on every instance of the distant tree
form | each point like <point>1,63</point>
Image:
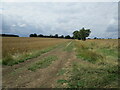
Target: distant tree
<point>33,35</point>
<point>56,35</point>
<point>51,36</point>
<point>89,38</point>
<point>81,34</point>
<point>95,38</point>
<point>40,35</point>
<point>76,34</point>
<point>61,36</point>
<point>67,37</point>
<point>8,35</point>
<point>84,33</point>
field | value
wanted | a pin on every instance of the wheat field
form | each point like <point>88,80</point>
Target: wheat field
<point>23,44</point>
<point>17,47</point>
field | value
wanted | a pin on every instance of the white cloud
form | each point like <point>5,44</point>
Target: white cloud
<point>21,25</point>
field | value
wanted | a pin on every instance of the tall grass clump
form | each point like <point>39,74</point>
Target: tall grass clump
<point>84,51</point>
<point>8,60</point>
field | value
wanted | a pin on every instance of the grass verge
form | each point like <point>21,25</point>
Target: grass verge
<point>86,52</point>
<point>96,66</point>
<point>88,76</point>
<point>45,62</point>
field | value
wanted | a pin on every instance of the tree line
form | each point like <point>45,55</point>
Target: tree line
<point>80,35</point>
<point>8,35</point>
<point>51,36</point>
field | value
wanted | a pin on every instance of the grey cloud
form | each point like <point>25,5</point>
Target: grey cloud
<point>112,29</point>
<point>23,31</point>
<point>61,18</point>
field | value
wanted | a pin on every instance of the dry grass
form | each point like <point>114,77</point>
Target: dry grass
<point>25,48</point>
<point>24,44</point>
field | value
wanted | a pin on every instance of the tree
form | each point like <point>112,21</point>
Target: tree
<point>95,38</point>
<point>8,35</point>
<point>84,33</point>
<point>81,34</point>
<point>56,35</point>
<point>67,37</point>
<point>40,35</point>
<point>76,34</point>
<point>33,35</point>
<point>61,36</point>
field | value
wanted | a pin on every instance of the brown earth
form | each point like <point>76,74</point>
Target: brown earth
<point>18,76</point>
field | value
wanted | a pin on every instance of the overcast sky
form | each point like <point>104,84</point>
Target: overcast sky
<point>24,18</point>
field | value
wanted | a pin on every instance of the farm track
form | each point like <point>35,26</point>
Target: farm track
<point>18,76</point>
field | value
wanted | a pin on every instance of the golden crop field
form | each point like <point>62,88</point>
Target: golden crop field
<point>12,46</point>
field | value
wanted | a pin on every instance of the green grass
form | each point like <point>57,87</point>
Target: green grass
<point>89,56</point>
<point>45,62</point>
<point>69,48</point>
<point>97,67</point>
<point>88,76</point>
<point>87,53</point>
<point>109,52</point>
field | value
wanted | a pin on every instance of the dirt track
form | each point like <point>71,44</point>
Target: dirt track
<point>19,76</point>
